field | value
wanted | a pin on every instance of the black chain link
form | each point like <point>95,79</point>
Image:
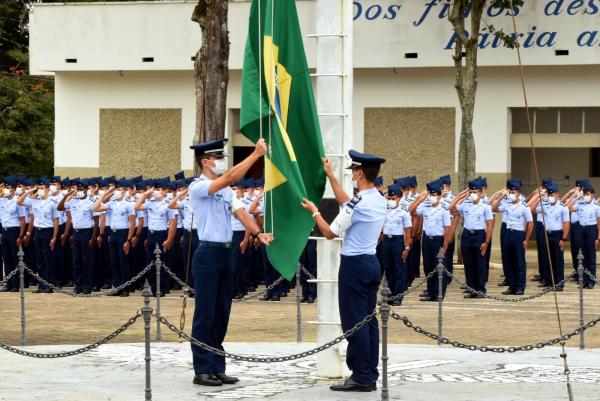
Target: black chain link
<point>9,276</point>
<point>260,359</point>
<point>78,351</point>
<point>309,274</point>
<point>505,299</point>
<point>484,348</point>
<point>590,275</point>
<point>185,286</point>
<point>413,287</point>
<point>112,291</point>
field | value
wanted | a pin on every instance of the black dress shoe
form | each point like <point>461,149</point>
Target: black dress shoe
<point>226,379</point>
<point>275,299</point>
<point>303,300</point>
<point>518,292</point>
<point>478,296</point>
<point>265,298</point>
<point>207,380</point>
<point>351,385</point>
<point>38,291</point>
<point>124,294</point>
<point>106,286</point>
<point>4,289</point>
<point>503,283</point>
<point>428,299</point>
<point>544,284</point>
<point>423,294</point>
<point>589,286</point>
<point>14,290</point>
<point>536,278</point>
<point>310,300</point>
<point>508,292</point>
<point>559,289</point>
<point>47,291</point>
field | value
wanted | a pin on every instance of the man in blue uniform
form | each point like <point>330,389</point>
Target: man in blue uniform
<point>359,222</point>
<point>575,195</point>
<point>588,214</point>
<point>212,202</point>
<point>519,227</point>
<point>12,221</point>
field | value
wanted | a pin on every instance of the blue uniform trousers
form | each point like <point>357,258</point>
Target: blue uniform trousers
<point>431,249</point>
<point>154,238</point>
<point>138,257</point>
<point>449,261</point>
<point>212,267</point>
<point>188,253</point>
<point>271,275</point>
<point>44,256</point>
<point>516,270</point>
<point>557,257</point>
<point>589,234</point>
<point>60,272</point>
<point>239,263</point>
<point>542,253</point>
<point>177,258</point>
<point>83,257</point>
<point>120,263</point>
<point>475,263</point>
<point>395,270</point>
<point>502,251</point>
<point>414,261</point>
<point>308,259</point>
<point>8,254</point>
<point>575,238</point>
<point>358,279</point>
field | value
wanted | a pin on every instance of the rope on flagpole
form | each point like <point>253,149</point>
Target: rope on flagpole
<point>274,106</point>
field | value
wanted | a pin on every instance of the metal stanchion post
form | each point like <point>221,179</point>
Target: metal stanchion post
<point>580,274</point>
<point>147,313</point>
<point>384,310</point>
<point>158,264</point>
<point>440,273</point>
<point>298,310</point>
<point>21,254</point>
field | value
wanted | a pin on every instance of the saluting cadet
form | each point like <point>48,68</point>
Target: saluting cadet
<point>237,243</point>
<point>588,214</point>
<point>447,198</point>
<point>23,184</point>
<point>55,195</point>
<point>436,234</point>
<point>122,226</point>
<point>519,227</point>
<point>397,238</point>
<point>359,222</point>
<point>575,194</point>
<point>476,235</point>
<point>556,222</point>
<point>12,221</point>
<point>85,228</point>
<point>543,275</point>
<point>162,227</point>
<point>413,260</point>
<point>104,234</point>
<point>138,253</point>
<point>45,222</point>
<point>212,203</point>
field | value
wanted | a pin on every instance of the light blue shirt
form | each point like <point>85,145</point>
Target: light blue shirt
<point>11,213</point>
<point>44,212</point>
<point>119,212</point>
<point>555,215</point>
<point>396,221</point>
<point>237,225</point>
<point>62,215</point>
<point>159,214</point>
<point>406,201</point>
<point>504,201</point>
<point>587,213</point>
<point>82,215</point>
<point>367,221</point>
<point>475,215</point>
<point>187,216</point>
<point>213,212</point>
<point>538,216</point>
<point>517,215</point>
<point>435,219</point>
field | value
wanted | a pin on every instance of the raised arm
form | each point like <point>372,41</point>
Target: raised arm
<point>340,195</point>
<point>238,171</point>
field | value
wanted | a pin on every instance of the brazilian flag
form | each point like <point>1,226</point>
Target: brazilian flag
<point>278,104</point>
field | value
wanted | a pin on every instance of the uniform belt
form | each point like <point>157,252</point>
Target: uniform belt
<point>81,230</point>
<point>212,244</point>
<point>156,231</point>
<point>390,236</point>
<point>434,236</point>
<point>515,230</point>
<point>114,230</point>
<point>551,232</point>
<point>44,228</point>
<point>474,231</point>
<point>10,228</point>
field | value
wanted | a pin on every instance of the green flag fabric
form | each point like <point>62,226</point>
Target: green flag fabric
<point>278,104</point>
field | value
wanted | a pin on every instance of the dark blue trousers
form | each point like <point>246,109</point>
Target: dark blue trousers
<point>239,263</point>
<point>177,258</point>
<point>154,238</point>
<point>60,268</point>
<point>589,234</point>
<point>515,258</point>
<point>44,256</point>
<point>271,275</point>
<point>414,261</point>
<point>542,253</point>
<point>83,257</point>
<point>449,261</point>
<point>120,263</point>
<point>188,253</point>
<point>213,272</point>
<point>395,270</point>
<point>358,280</point>
<point>575,237</point>
<point>103,267</point>
<point>502,251</point>
<point>431,249</point>
<point>475,263</point>
<point>557,257</point>
<point>308,259</point>
<point>8,254</point>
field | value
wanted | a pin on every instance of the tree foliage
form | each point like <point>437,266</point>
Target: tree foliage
<point>26,102</point>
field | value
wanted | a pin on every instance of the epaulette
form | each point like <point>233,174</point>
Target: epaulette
<point>524,203</point>
<point>563,203</point>
<point>354,201</point>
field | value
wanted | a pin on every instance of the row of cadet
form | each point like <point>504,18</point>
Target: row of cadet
<point>425,224</point>
<point>98,233</point>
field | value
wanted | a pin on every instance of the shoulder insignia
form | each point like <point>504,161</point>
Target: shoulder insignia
<point>354,201</point>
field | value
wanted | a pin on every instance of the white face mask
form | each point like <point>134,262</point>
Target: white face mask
<point>392,204</point>
<point>355,184</point>
<point>117,193</point>
<point>89,192</point>
<point>433,199</point>
<point>587,198</point>
<point>474,196</point>
<point>220,167</point>
<point>19,191</point>
<point>170,196</point>
<point>137,197</point>
<point>6,192</point>
<point>41,193</point>
<point>80,194</point>
<point>552,199</point>
<point>53,189</point>
<point>256,192</point>
<point>64,192</point>
<point>101,192</point>
<point>511,197</point>
<point>156,194</point>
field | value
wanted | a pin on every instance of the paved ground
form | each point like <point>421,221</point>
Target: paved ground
<point>116,372</point>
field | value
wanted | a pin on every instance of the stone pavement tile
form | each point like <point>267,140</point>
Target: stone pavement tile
<point>115,372</point>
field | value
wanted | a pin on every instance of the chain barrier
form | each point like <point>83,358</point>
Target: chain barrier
<point>112,291</point>
<point>309,274</point>
<point>505,299</point>
<point>9,276</point>
<point>413,287</point>
<point>183,285</point>
<point>260,359</point>
<point>590,275</point>
<point>484,348</point>
<point>78,351</point>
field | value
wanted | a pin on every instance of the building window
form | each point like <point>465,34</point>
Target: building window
<point>595,162</point>
<point>552,120</point>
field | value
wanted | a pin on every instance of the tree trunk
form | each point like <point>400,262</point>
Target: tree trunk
<point>211,70</point>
